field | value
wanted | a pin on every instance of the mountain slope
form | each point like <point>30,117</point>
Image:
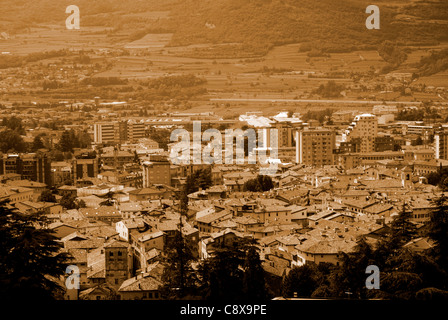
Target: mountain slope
<point>258,24</point>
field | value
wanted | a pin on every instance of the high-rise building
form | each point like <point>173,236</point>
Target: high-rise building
<point>31,166</point>
<point>364,126</point>
<point>104,133</point>
<point>118,132</point>
<point>156,171</point>
<point>135,131</point>
<point>314,146</point>
<point>441,145</point>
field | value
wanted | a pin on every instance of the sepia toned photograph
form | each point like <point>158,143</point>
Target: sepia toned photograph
<point>225,157</point>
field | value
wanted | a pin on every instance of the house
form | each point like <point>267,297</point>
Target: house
<point>124,227</point>
<point>205,223</point>
<point>267,231</point>
<point>152,193</point>
<point>91,201</point>
<point>129,209</point>
<point>298,214</point>
<point>288,242</point>
<point>191,238</point>
<point>151,240</point>
<point>359,206</point>
<point>145,285</point>
<point>69,191</point>
<point>419,244</point>
<point>277,262</point>
<point>223,238</point>
<point>421,210</point>
<point>96,267</point>
<point>380,209</point>
<point>323,250</point>
<point>100,292</point>
<point>78,257</point>
<point>244,223</point>
<point>47,208</point>
<point>140,287</point>
<point>16,194</point>
<point>37,187</point>
<point>60,229</point>
<point>212,193</point>
<point>107,214</point>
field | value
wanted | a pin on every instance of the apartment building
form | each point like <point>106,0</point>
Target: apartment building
<point>314,146</point>
<point>118,132</point>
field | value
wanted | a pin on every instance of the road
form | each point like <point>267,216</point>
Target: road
<point>316,101</point>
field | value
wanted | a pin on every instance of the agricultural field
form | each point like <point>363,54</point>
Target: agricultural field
<point>148,41</point>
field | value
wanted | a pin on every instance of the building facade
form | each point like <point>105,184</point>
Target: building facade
<point>314,146</point>
<point>31,166</point>
<point>156,171</point>
<point>118,132</point>
<point>365,127</point>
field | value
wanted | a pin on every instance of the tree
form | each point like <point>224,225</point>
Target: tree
<point>260,184</point>
<point>201,178</point>
<point>162,137</point>
<point>232,272</point>
<point>330,90</point>
<point>254,284</point>
<point>30,257</point>
<point>402,229</point>
<point>11,141</point>
<point>82,204</point>
<point>68,202</point>
<point>65,144</point>
<point>391,53</point>
<point>221,276</point>
<point>14,124</point>
<point>179,277</point>
<point>303,281</point>
<point>47,196</point>
<point>37,144</point>
<point>351,275</point>
<point>438,230</point>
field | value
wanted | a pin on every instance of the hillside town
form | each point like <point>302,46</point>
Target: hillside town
<point>102,175</point>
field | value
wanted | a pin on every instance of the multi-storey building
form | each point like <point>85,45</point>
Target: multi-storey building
<point>364,126</point>
<point>85,166</point>
<point>314,146</point>
<point>384,143</point>
<point>32,166</point>
<point>117,263</point>
<point>118,132</point>
<point>156,171</point>
<point>441,145</point>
